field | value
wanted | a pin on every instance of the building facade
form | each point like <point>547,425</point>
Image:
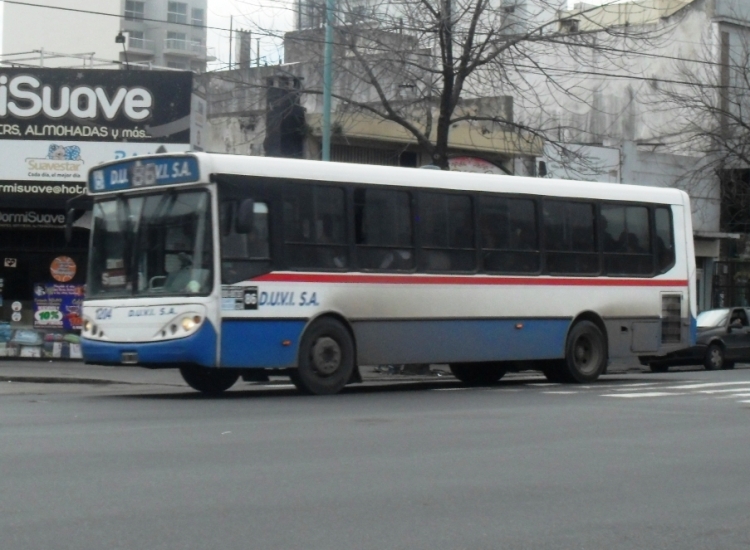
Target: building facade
<point>165,33</point>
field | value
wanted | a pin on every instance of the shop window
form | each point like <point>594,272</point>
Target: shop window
<point>384,234</point>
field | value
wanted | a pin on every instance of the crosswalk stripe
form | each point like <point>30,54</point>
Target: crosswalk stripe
<point>706,385</point>
<point>642,394</point>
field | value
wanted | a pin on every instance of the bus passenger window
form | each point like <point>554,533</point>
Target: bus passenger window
<point>243,255</point>
<point>509,237</point>
<point>570,238</point>
<point>447,231</point>
<point>315,227</point>
<point>664,239</point>
<point>383,229</point>
<point>626,237</point>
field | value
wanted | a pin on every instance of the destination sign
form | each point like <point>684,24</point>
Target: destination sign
<point>134,174</point>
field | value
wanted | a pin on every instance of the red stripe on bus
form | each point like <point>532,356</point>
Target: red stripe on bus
<point>460,280</point>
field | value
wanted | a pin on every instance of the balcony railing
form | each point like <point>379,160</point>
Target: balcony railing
<point>141,44</point>
<point>184,47</point>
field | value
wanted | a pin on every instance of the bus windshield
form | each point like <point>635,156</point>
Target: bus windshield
<point>151,245</point>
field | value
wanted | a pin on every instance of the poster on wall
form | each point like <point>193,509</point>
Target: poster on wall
<point>58,306</point>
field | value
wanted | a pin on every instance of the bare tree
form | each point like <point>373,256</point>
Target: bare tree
<point>527,70</point>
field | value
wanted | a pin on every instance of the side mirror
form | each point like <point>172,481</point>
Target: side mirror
<point>69,219</point>
<point>244,222</point>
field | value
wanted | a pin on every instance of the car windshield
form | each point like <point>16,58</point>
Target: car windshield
<point>713,318</point>
<point>152,245</point>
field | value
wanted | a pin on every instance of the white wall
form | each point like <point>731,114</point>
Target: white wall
<point>27,28</point>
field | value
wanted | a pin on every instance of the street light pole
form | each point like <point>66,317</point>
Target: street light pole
<point>327,81</point>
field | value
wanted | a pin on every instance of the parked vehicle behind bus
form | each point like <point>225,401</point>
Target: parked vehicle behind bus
<point>223,266</point>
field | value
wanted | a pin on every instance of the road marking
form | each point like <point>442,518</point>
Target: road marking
<point>706,385</point>
<point>560,392</point>
<point>542,385</point>
<point>733,396</point>
<point>643,394</point>
<point>722,391</point>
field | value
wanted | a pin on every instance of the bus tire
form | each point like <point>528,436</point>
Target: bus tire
<point>326,358</point>
<point>478,374</point>
<point>585,353</point>
<point>211,381</point>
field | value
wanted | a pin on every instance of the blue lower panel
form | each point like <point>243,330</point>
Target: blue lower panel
<point>260,344</point>
<point>199,349</point>
<point>389,342</point>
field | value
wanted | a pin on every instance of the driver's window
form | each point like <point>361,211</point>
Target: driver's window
<point>739,316</point>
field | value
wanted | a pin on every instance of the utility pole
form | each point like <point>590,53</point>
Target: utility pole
<point>231,21</point>
<point>327,81</point>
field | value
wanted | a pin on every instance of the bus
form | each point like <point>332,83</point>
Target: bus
<point>227,266</point>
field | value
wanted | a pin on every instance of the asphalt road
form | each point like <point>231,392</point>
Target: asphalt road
<point>635,461</point>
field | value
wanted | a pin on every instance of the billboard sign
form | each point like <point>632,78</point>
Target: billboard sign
<point>57,124</point>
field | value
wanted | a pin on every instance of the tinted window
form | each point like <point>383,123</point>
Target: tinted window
<point>384,235</point>
<point>570,237</point>
<point>243,255</point>
<point>315,227</point>
<point>447,232</point>
<point>664,239</point>
<point>509,237</point>
<point>626,240</point>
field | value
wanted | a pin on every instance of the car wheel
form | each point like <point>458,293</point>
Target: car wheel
<point>478,374</point>
<point>211,381</point>
<point>326,358</point>
<point>655,366</point>
<point>714,357</point>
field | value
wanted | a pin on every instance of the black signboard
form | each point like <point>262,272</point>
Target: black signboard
<point>95,105</point>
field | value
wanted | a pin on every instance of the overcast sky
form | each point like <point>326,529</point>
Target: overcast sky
<point>266,19</point>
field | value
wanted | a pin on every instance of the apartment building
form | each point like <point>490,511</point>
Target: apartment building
<point>165,33</point>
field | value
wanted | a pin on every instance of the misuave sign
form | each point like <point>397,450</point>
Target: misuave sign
<point>95,105</point>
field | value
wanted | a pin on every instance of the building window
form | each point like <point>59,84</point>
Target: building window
<point>136,39</point>
<point>177,12</point>
<point>176,65</point>
<point>134,10</point>
<point>198,17</point>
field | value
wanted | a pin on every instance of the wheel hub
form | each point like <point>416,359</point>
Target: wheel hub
<point>585,355</point>
<point>326,356</point>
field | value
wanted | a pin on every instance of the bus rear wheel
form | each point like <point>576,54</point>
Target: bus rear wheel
<point>478,374</point>
<point>585,353</point>
<point>326,358</point>
<point>211,381</point>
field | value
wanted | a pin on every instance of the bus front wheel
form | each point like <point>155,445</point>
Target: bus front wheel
<point>478,374</point>
<point>211,381</point>
<point>326,358</point>
<point>585,353</point>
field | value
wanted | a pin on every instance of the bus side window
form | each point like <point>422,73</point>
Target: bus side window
<point>243,255</point>
<point>383,229</point>
<point>626,237</point>
<point>315,234</point>
<point>570,238</point>
<point>664,239</point>
<point>509,238</point>
<point>447,232</point>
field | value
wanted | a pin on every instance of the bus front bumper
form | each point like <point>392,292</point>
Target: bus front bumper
<point>196,349</point>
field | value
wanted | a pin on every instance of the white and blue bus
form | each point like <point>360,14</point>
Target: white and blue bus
<point>228,266</point>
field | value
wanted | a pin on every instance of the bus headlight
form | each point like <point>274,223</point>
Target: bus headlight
<point>88,326</point>
<point>189,323</point>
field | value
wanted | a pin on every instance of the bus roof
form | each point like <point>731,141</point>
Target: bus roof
<point>313,170</point>
<point>409,177</point>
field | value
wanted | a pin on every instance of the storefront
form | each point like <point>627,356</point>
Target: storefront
<point>55,124</point>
